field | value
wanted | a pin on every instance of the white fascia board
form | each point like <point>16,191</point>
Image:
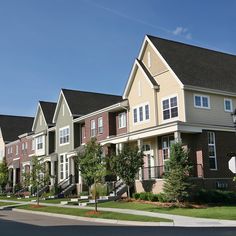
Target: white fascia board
<point>36,116</point>
<point>208,90</point>
<point>58,105</point>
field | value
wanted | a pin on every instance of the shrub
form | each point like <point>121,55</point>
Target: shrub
<point>136,196</point>
<point>154,197</point>
<point>215,196</point>
<point>145,196</point>
<point>84,193</point>
<point>162,197</point>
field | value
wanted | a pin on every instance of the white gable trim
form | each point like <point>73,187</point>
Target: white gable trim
<point>164,61</point>
<point>36,116</point>
<point>131,78</point>
<point>61,96</point>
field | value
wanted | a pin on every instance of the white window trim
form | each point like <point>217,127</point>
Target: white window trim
<point>202,107</point>
<point>231,104</point>
<point>37,143</point>
<point>174,118</point>
<point>215,157</point>
<point>64,165</point>
<point>94,122</point>
<point>144,114</point>
<point>100,119</point>
<point>122,115</point>
<point>62,128</point>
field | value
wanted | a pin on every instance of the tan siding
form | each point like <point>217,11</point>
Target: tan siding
<point>147,96</point>
<point>39,128</point>
<point>168,87</point>
<point>216,115</point>
<point>157,66</point>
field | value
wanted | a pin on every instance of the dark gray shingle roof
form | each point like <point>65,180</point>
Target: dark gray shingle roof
<point>13,126</point>
<point>48,110</point>
<point>82,103</point>
<point>197,66</point>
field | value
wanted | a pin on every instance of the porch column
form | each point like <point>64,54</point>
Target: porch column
<point>177,136</point>
<point>14,177</point>
<point>52,178</point>
<point>119,147</point>
<point>140,146</point>
<point>72,166</point>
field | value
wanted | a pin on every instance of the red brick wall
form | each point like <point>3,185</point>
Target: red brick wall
<point>120,130</point>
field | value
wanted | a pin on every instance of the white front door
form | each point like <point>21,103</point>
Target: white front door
<point>64,167</point>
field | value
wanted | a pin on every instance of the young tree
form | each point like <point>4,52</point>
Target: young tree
<point>127,164</point>
<point>3,174</point>
<point>92,165</point>
<point>38,177</point>
<point>176,178</point>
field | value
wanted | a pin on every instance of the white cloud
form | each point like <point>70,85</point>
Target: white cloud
<point>181,31</point>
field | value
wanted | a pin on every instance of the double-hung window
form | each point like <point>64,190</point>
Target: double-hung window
<point>170,108</point>
<point>202,101</point>
<point>100,125</point>
<point>64,166</point>
<point>141,113</point>
<point>228,105</point>
<point>92,128</point>
<point>39,142</point>
<point>64,135</point>
<point>212,151</point>
<point>122,120</point>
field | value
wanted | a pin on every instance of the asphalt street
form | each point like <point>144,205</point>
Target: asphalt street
<point>15,223</point>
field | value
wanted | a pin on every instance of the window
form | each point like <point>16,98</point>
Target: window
<point>92,128</point>
<point>135,115</point>
<point>33,145</point>
<point>64,166</point>
<point>170,108</point>
<point>17,150</point>
<point>23,146</point>
<point>141,113</point>
<point>122,120</point>
<point>201,101</point>
<point>212,150</point>
<point>228,105</point>
<point>39,142</point>
<point>100,125</point>
<point>166,144</point>
<point>10,149</point>
<point>26,145</point>
<point>64,135</point>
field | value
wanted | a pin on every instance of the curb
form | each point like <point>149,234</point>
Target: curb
<point>97,220</point>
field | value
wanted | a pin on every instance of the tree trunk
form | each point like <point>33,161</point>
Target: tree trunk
<point>37,195</point>
<point>95,197</point>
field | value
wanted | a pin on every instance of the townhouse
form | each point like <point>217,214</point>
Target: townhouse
<point>16,144</point>
<point>175,92</point>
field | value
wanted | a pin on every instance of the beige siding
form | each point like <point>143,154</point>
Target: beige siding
<point>146,96</point>
<point>169,86</point>
<point>157,66</point>
<point>40,127</point>
<point>2,147</point>
<point>216,115</point>
<point>61,122</point>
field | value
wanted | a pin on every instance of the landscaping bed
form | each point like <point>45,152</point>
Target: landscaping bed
<point>91,214</point>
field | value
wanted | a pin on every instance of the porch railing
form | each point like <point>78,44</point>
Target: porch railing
<point>158,172</point>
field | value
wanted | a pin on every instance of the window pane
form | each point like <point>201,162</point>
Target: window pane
<point>135,115</point>
<point>198,101</point>
<point>212,163</point>
<point>174,112</point>
<point>211,151</point>
<point>166,114</point>
<point>228,105</point>
<point>165,104</point>
<point>147,112</point>
<point>173,102</point>
<point>205,101</point>
<point>140,113</point>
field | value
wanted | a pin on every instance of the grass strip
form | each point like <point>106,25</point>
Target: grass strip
<point>214,212</point>
<point>7,203</point>
<point>87,213</point>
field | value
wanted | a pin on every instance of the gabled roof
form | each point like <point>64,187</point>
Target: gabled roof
<point>196,66</point>
<point>48,109</point>
<point>13,126</point>
<point>82,102</point>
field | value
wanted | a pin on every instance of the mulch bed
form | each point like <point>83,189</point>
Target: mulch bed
<point>90,213</point>
<point>36,206</point>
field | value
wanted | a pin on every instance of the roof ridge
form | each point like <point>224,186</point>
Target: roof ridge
<point>191,45</point>
<point>16,116</point>
<point>81,91</point>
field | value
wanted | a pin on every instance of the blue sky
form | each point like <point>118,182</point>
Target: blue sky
<point>90,45</point>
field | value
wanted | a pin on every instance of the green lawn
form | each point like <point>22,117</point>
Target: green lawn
<point>7,203</point>
<point>85,213</point>
<point>217,212</point>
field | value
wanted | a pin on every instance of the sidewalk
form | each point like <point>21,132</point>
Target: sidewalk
<point>181,221</point>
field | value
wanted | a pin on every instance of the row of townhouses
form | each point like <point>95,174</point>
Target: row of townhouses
<point>175,92</point>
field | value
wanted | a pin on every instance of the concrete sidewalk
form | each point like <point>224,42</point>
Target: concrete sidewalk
<point>183,221</point>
